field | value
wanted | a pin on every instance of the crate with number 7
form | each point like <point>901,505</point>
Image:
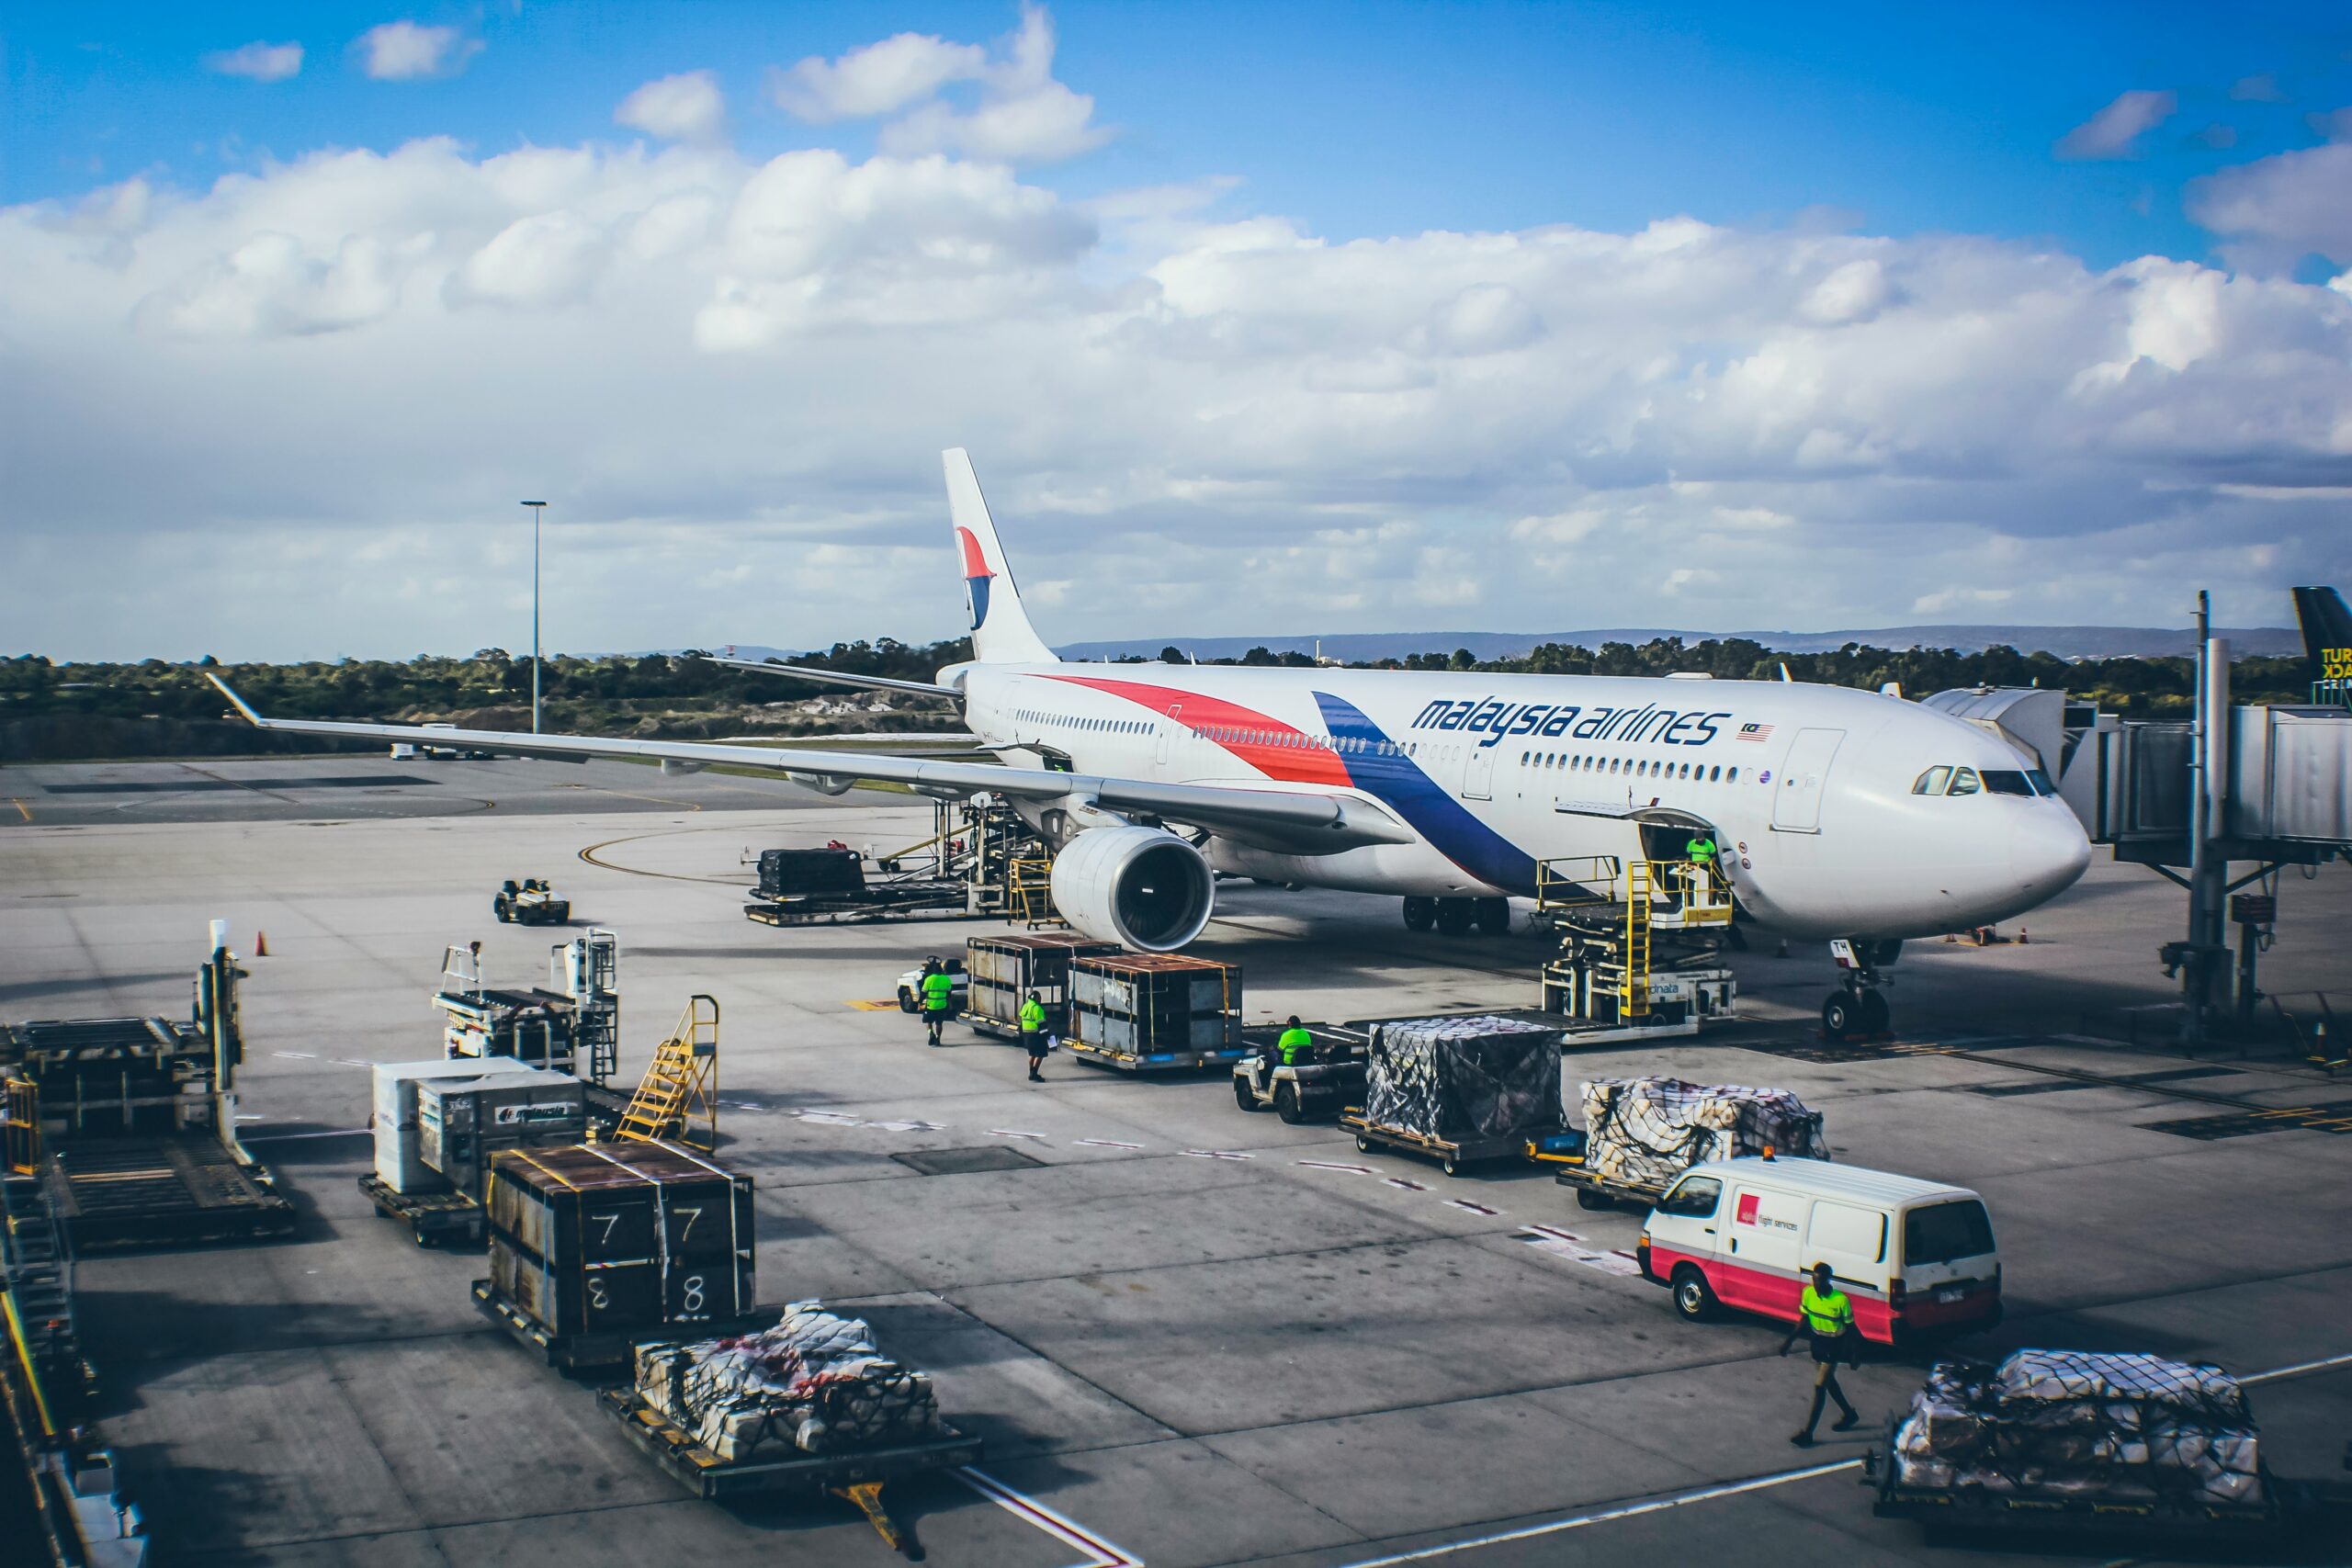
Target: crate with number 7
<point>610,1238</point>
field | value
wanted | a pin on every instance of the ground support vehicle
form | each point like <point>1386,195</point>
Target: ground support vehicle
<point>910,988</point>
<point>530,902</point>
<point>1451,1156</point>
<point>1331,1077</point>
<point>1641,947</point>
<point>857,1476</point>
<point>431,1217</point>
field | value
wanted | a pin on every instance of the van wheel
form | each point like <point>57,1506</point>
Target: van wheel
<point>1287,1103</point>
<point>1243,1096</point>
<point>1693,1301</point>
<point>1587,1199</point>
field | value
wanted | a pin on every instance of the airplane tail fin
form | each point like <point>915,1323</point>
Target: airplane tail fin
<point>1000,631</point>
<point>2327,638</point>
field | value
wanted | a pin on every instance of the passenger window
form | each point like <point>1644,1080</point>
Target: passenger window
<point>1932,782</point>
<point>1841,1228</point>
<point>1717,775</point>
<point>1694,1198</point>
<point>1732,776</point>
<point>1964,782</point>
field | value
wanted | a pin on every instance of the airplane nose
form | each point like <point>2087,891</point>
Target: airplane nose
<point>2049,852</point>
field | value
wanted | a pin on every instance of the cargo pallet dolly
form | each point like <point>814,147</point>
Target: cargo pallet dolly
<point>431,1217</point>
<point>981,861</point>
<point>573,1352</point>
<point>1973,1510</point>
<point>1562,1153</point>
<point>857,1476</point>
<point>1451,1156</point>
<point>1306,1089</point>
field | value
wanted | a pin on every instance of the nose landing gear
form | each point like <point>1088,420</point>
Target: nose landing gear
<point>1859,1010</point>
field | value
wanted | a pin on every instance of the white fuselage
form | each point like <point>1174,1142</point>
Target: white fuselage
<point>1809,790</point>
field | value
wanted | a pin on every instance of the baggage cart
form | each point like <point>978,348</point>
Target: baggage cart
<point>1597,1191</point>
<point>855,1475</point>
<point>431,1217</point>
<point>1451,1155</point>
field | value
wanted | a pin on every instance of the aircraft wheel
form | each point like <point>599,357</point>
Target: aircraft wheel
<point>1453,916</point>
<point>1421,914</point>
<point>1877,1014</point>
<point>1840,1019</point>
<point>1493,916</point>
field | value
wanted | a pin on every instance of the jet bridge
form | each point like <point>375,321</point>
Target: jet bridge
<point>2263,787</point>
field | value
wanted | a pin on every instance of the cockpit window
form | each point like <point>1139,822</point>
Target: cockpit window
<point>1932,782</point>
<point>1964,782</point>
<point>2006,781</point>
<point>2041,782</point>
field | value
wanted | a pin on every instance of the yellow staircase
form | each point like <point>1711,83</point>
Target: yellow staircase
<point>1634,984</point>
<point>678,1096</point>
<point>1030,884</point>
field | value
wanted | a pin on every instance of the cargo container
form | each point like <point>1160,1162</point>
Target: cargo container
<point>1003,970</point>
<point>1154,1012</point>
<point>461,1123</point>
<point>787,873</point>
<point>593,1242</point>
<point>400,1156</point>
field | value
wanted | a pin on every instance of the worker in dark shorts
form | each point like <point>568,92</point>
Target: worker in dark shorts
<point>1826,1317</point>
<point>1034,1038</point>
<point>938,996</point>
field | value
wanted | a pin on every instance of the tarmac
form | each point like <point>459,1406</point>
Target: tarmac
<point>1188,1334</point>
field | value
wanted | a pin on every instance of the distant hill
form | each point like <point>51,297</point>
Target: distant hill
<point>2066,642</point>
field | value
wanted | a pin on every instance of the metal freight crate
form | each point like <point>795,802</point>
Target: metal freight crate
<point>1003,970</point>
<point>1155,1012</point>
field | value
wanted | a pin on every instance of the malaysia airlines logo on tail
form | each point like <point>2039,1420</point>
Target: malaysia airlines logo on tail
<point>977,575</point>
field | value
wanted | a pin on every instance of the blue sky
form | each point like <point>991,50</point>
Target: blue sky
<point>1361,119</point>
<point>1293,320</point>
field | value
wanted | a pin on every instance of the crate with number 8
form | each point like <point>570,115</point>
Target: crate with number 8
<point>615,1237</point>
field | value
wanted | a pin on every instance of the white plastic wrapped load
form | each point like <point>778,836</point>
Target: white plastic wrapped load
<point>815,1381</point>
<point>2078,1424</point>
<point>1464,1078</point>
<point>1648,1130</point>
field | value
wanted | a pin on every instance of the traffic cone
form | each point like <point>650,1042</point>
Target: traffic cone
<point>261,945</point>
<point>2022,937</point>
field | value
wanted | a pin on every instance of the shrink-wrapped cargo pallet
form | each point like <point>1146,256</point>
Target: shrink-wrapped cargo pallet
<point>816,1383</point>
<point>1646,1132</point>
<point>2061,1424</point>
<point>1462,1079</point>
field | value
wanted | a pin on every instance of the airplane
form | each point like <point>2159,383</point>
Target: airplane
<point>1841,814</point>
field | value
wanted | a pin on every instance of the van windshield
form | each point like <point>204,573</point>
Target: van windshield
<point>1941,1233</point>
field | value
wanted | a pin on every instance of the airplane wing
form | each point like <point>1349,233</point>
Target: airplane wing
<point>833,677</point>
<point>1287,821</point>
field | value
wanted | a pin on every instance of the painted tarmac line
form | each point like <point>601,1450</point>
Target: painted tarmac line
<point>1107,1144</point>
<point>1727,1489</point>
<point>1215,1153</point>
<point>1473,1208</point>
<point>22,809</point>
<point>1010,1133</point>
<point>1408,1186</point>
<point>1099,1553</point>
<point>300,1137</point>
<point>1606,1515</point>
<point>298,1055</point>
<point>1334,1165</point>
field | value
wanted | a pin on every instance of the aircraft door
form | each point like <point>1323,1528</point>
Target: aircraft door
<point>1478,776</point>
<point>1168,733</point>
<point>1796,794</point>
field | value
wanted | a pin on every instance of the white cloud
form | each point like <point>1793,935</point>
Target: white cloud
<point>1024,116</point>
<point>2277,211</point>
<point>881,78</point>
<point>1207,424</point>
<point>405,52</point>
<point>686,107</point>
<point>260,61</point>
<point>1945,600</point>
<point>2112,132</point>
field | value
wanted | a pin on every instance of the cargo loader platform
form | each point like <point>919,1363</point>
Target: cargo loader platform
<point>855,1475</point>
<point>173,1190</point>
<point>447,1217</point>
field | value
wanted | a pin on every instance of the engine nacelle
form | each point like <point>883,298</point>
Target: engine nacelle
<point>1142,887</point>
<point>673,766</point>
<point>823,784</point>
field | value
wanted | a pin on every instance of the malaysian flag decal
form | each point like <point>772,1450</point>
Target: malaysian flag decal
<point>1754,732</point>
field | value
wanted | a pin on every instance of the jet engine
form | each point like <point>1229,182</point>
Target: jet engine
<point>1142,887</point>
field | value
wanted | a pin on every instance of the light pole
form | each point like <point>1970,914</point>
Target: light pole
<point>538,509</point>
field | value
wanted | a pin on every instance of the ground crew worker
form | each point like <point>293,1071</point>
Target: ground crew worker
<point>1825,1316</point>
<point>1033,1036</point>
<point>1293,1044</point>
<point>938,996</point>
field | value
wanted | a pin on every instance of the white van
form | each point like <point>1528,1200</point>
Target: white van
<point>1744,1232</point>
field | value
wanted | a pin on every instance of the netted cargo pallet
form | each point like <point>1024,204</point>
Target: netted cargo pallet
<point>1642,1134</point>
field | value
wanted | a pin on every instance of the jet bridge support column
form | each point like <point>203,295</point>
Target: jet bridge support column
<point>2208,816</point>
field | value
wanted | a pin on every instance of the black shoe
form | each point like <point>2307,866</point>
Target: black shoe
<point>1803,1439</point>
<point>1846,1423</point>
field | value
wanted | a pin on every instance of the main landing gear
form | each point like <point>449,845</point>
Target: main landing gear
<point>1454,917</point>
<point>1857,1009</point>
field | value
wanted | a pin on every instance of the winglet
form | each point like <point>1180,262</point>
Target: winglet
<point>242,706</point>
